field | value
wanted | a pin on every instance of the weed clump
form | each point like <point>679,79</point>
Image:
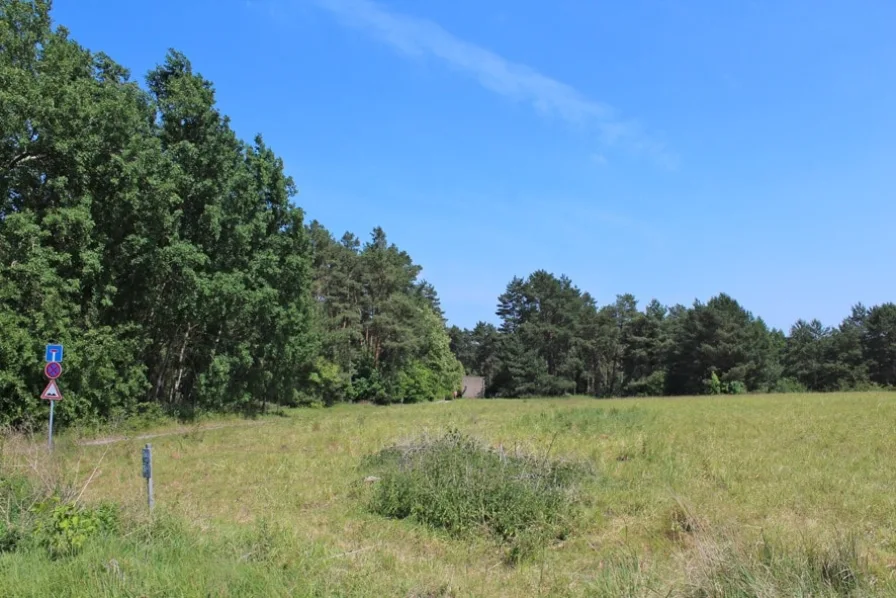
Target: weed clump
<point>724,569</point>
<point>459,485</point>
<point>63,528</point>
<point>48,516</point>
<point>681,522</point>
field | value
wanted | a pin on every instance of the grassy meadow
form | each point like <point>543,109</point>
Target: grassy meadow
<point>782,495</point>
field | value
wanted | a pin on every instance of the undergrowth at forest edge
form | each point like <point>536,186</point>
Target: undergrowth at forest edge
<point>60,526</point>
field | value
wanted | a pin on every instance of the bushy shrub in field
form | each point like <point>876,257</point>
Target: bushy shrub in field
<point>457,484</point>
<point>64,527</point>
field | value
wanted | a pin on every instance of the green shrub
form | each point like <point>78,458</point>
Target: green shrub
<point>415,384</point>
<point>735,387</point>
<point>716,386</point>
<point>10,536</point>
<point>63,528</point>
<point>329,384</point>
<point>368,384</point>
<point>457,484</point>
<point>145,415</point>
<point>28,519</point>
<point>789,385</point>
<point>713,385</point>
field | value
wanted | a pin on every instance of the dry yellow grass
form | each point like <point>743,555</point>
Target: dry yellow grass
<point>679,480</point>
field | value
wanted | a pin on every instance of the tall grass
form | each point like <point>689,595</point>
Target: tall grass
<point>726,568</point>
<point>747,496</point>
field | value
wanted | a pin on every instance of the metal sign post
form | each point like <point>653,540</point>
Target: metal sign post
<point>50,441</point>
<point>52,371</point>
<point>147,473</point>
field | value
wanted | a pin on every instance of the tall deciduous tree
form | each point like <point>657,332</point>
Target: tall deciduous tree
<point>167,255</point>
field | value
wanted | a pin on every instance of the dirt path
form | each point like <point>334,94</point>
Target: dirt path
<point>179,431</point>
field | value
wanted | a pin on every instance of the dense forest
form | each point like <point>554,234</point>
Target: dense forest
<point>554,340</point>
<point>168,257</point>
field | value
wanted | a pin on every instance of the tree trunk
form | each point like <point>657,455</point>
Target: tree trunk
<point>180,367</point>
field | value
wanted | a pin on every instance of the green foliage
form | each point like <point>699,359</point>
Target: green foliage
<point>735,387</point>
<point>176,271</point>
<point>651,386</point>
<point>456,484</point>
<point>879,340</point>
<point>826,359</point>
<point>554,340</point>
<point>713,385</point>
<point>368,383</point>
<point>416,383</point>
<point>378,323</point>
<point>329,384</point>
<point>722,337</point>
<point>60,527</point>
<point>63,528</point>
<point>789,385</point>
<point>146,415</point>
<point>168,257</point>
<point>540,318</point>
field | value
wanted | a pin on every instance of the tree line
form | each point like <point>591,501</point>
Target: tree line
<point>553,339</point>
<point>167,256</point>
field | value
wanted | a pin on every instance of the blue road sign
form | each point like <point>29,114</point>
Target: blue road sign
<point>54,354</point>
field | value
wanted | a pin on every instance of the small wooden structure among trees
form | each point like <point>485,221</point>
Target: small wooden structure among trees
<point>474,387</point>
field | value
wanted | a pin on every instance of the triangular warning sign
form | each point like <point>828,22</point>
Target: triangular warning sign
<point>51,392</point>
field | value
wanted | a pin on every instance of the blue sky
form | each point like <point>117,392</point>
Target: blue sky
<point>667,148</point>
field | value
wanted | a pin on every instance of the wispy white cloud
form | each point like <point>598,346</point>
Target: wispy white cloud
<point>598,159</point>
<point>421,37</point>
